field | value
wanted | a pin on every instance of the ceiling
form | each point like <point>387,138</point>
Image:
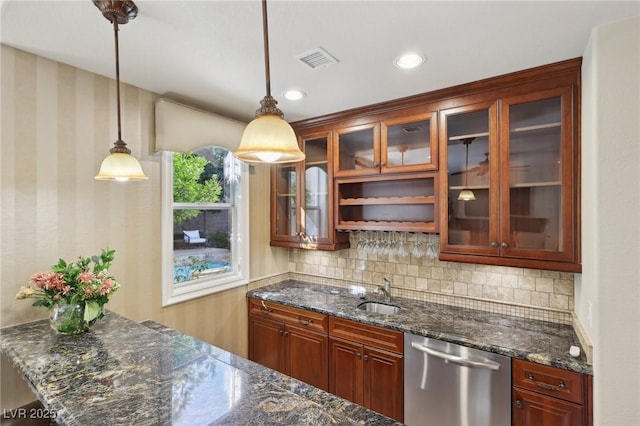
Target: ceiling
<point>209,53</point>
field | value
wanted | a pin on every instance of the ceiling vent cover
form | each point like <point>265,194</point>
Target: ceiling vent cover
<point>317,58</point>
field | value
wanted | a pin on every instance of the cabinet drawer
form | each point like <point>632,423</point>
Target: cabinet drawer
<point>289,315</point>
<point>551,381</point>
<point>370,335</point>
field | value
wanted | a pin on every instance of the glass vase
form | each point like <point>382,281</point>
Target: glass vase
<point>68,318</point>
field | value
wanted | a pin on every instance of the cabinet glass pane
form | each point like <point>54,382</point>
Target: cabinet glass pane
<point>356,150</point>
<point>316,179</point>
<point>286,187</point>
<point>535,139</point>
<point>468,171</point>
<point>409,144</point>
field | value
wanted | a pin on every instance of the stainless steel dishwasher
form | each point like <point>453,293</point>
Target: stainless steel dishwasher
<point>448,384</point>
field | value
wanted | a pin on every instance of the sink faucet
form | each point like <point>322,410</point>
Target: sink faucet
<point>385,289</point>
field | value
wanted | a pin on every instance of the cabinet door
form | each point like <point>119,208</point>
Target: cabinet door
<point>469,152</point>
<point>357,150</point>
<point>316,188</point>
<point>537,175</point>
<point>409,144</point>
<point>383,382</point>
<point>285,218</point>
<point>266,343</point>
<point>307,357</point>
<point>532,409</point>
<point>345,370</point>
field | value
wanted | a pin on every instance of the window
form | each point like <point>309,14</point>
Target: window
<point>205,223</point>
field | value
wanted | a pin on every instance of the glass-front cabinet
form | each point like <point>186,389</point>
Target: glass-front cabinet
<point>404,143</point>
<point>509,181</point>
<point>302,196</point>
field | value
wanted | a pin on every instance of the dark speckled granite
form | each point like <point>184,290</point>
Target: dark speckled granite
<point>126,373</point>
<point>537,341</point>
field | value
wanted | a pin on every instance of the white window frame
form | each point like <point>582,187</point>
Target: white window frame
<point>239,239</point>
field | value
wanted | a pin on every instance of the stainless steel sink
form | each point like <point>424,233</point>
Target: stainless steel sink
<point>377,307</point>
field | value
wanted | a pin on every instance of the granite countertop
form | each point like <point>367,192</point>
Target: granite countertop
<point>537,341</point>
<point>127,373</point>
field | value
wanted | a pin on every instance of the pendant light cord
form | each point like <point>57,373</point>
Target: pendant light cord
<point>115,31</point>
<point>265,37</point>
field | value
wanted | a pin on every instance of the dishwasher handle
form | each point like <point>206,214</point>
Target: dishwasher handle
<point>491,365</point>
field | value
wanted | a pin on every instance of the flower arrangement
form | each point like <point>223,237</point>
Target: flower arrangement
<point>77,283</point>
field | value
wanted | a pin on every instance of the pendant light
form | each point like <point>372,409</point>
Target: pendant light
<point>467,194</point>
<point>268,138</point>
<point>119,164</point>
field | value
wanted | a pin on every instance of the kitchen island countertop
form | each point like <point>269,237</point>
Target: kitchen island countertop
<point>128,373</point>
<point>532,340</point>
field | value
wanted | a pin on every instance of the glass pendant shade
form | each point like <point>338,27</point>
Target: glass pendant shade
<point>466,195</point>
<point>269,139</point>
<point>122,167</point>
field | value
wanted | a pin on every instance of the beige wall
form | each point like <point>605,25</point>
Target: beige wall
<point>58,123</point>
<point>608,291</point>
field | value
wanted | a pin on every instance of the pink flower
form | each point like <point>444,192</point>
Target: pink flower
<point>42,279</point>
<point>86,277</point>
<point>88,291</point>
<point>106,287</point>
<point>66,289</point>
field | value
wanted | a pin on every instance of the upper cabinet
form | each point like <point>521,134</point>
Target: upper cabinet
<point>509,181</point>
<point>404,143</point>
<point>492,165</point>
<point>302,198</point>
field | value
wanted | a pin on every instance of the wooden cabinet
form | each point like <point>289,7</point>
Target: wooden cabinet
<point>398,202</point>
<point>290,340</point>
<point>548,396</point>
<point>403,142</point>
<point>366,366</point>
<point>508,193</point>
<point>302,198</point>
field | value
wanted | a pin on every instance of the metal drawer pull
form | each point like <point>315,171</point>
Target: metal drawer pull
<point>545,386</point>
<point>308,322</point>
<point>518,403</point>
<point>265,309</point>
<point>456,359</point>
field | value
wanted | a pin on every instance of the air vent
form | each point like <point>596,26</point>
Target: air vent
<point>317,58</point>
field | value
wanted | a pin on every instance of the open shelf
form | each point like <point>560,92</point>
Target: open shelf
<point>386,200</point>
<point>534,184</point>
<point>380,225</point>
<point>388,203</point>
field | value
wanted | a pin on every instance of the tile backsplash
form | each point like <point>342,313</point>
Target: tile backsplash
<point>533,293</point>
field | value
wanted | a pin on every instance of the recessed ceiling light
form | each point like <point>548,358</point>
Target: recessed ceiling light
<point>408,61</point>
<point>294,94</point>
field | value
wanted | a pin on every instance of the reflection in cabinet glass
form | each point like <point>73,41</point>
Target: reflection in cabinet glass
<point>357,150</point>
<point>286,183</point>
<point>302,199</point>
<point>535,158</point>
<point>316,183</point>
<point>469,148</point>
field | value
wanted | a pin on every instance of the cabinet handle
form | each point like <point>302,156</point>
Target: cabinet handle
<point>366,357</point>
<point>545,386</point>
<point>280,332</point>
<point>382,164</point>
<point>504,245</point>
<point>518,403</point>
<point>285,334</point>
<point>494,244</point>
<point>265,309</point>
<point>358,356</point>
<point>303,322</point>
<point>375,165</point>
